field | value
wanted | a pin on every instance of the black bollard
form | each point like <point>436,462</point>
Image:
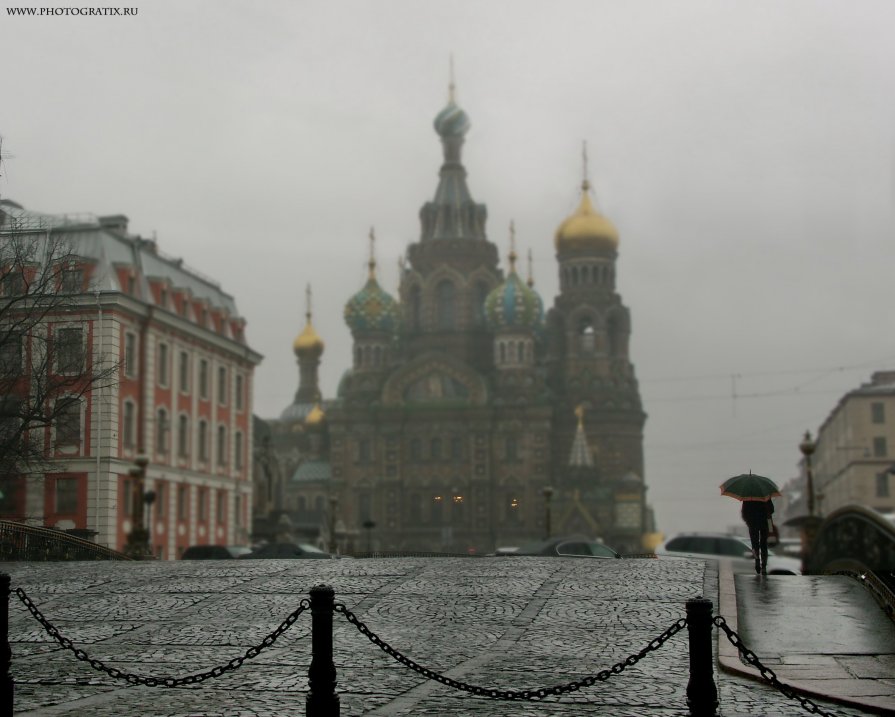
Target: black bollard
<point>702,695</point>
<point>322,700</point>
<point>7,686</point>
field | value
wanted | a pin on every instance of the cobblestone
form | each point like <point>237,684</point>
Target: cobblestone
<point>508,623</point>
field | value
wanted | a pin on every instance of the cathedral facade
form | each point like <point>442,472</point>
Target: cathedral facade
<point>471,418</point>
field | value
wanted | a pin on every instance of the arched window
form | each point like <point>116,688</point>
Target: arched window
<point>520,348</point>
<point>574,276</point>
<point>444,304</point>
<point>503,352</point>
<point>368,356</point>
<point>587,342</point>
<point>416,310</point>
<point>481,293</point>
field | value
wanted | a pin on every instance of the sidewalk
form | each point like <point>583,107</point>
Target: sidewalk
<point>822,634</point>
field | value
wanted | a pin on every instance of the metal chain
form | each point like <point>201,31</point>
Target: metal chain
<point>535,694</point>
<point>766,672</point>
<point>117,674</point>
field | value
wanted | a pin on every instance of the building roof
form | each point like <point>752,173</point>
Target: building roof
<point>312,471</point>
<point>106,241</point>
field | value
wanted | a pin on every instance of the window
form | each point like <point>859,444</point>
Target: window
<point>161,431</point>
<point>203,378</point>
<point>202,505</point>
<point>183,436</point>
<point>222,385</point>
<point>481,294</point>
<point>239,390</point>
<point>203,441</point>
<point>456,449</point>
<point>160,500</point>
<point>237,450</point>
<point>163,364</point>
<point>130,354</point>
<point>879,447</point>
<point>128,427</point>
<point>221,508</point>
<point>14,283</point>
<point>237,510</point>
<point>127,498</point>
<point>72,281</point>
<point>184,371</point>
<point>437,509</point>
<point>10,419</point>
<point>882,484</point>
<point>69,351</point>
<point>68,422</point>
<point>11,355</point>
<point>435,449</point>
<point>222,445</point>
<point>587,341</point>
<point>163,298</point>
<point>444,304</point>
<point>878,412</point>
<point>181,502</point>
<point>67,496</point>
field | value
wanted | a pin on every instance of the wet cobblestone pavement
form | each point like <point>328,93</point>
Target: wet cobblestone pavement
<point>507,623</point>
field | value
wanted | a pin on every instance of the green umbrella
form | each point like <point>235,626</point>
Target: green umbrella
<point>750,487</point>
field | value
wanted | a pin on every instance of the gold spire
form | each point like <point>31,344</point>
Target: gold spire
<point>308,342</point>
<point>579,412</point>
<point>531,275</point>
<point>371,264</point>
<point>512,247</point>
<point>585,182</point>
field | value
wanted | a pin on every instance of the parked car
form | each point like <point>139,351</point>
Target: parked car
<point>214,552</point>
<point>286,551</point>
<point>573,546</point>
<point>719,545</point>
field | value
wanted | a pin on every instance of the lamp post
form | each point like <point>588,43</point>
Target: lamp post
<point>807,447</point>
<point>547,492</point>
<point>333,506</point>
<point>138,539</point>
<point>810,523</point>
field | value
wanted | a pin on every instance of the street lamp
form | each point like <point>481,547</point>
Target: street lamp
<point>138,539</point>
<point>333,505</point>
<point>807,447</point>
<point>810,523</point>
<point>547,492</point>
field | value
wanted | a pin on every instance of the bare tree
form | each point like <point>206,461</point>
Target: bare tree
<point>47,368</point>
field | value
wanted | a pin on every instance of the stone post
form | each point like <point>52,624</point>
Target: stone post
<point>702,694</point>
<point>322,700</point>
<point>7,686</point>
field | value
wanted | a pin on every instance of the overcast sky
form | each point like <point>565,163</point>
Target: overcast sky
<point>745,150</point>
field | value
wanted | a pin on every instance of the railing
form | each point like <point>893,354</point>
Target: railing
<point>855,539</point>
<point>322,700</point>
<point>20,542</point>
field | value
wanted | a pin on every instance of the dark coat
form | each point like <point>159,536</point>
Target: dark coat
<point>757,512</point>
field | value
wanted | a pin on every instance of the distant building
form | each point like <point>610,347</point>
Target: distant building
<point>854,457</point>
<point>182,398</point>
<point>469,416</point>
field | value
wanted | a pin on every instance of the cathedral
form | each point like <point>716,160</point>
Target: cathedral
<point>471,419</point>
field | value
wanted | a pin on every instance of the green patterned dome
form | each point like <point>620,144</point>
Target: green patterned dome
<point>371,309</point>
<point>513,305</point>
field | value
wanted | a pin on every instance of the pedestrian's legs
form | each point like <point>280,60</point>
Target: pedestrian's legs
<point>755,538</point>
<point>763,540</point>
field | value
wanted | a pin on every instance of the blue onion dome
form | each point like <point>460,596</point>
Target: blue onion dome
<point>372,309</point>
<point>514,304</point>
<point>451,121</point>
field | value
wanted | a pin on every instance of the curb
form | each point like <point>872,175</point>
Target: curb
<point>729,657</point>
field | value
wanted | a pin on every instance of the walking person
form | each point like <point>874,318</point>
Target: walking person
<point>757,515</point>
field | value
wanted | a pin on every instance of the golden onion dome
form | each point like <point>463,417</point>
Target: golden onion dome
<point>316,417</point>
<point>586,228</point>
<point>308,343</point>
